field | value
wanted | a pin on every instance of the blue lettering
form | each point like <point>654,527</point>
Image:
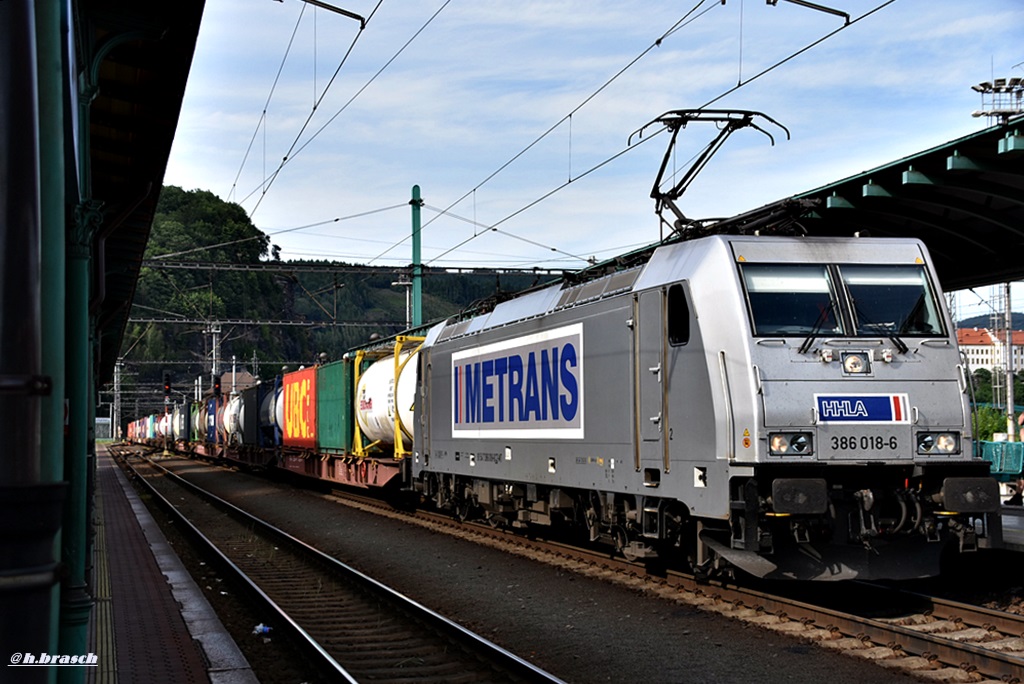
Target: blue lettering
<point>474,397</point>
<point>488,393</point>
<point>530,383</point>
<point>515,389</point>
<point>532,397</point>
<point>570,399</point>
<point>549,383</point>
<point>500,370</point>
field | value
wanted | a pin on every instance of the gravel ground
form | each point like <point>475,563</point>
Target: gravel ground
<point>580,629</point>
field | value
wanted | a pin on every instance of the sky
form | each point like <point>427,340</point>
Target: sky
<point>515,118</point>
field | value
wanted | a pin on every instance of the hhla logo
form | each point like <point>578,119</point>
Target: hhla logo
<point>863,408</point>
<point>843,408</point>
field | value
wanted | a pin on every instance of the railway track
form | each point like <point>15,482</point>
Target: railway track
<point>355,628</point>
<point>932,638</point>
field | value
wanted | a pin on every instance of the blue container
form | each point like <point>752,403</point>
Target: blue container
<point>211,420</point>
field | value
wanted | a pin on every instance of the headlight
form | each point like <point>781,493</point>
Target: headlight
<point>793,443</point>
<point>938,443</point>
<point>856,363</point>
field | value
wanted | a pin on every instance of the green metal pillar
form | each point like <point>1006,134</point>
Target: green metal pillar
<point>76,602</point>
<point>52,216</point>
<point>50,48</point>
<point>417,266</point>
<point>29,505</point>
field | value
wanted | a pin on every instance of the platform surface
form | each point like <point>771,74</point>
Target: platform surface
<point>151,622</point>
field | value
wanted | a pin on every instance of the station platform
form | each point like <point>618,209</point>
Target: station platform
<point>151,622</point>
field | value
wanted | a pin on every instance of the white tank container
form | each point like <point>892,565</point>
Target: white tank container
<point>233,419</point>
<point>164,428</point>
<point>279,409</point>
<point>178,423</point>
<point>268,412</point>
<point>375,399</point>
<point>198,421</point>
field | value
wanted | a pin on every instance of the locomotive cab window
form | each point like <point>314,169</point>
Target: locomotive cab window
<point>788,299</point>
<point>678,316</point>
<point>856,300</point>
<point>889,300</point>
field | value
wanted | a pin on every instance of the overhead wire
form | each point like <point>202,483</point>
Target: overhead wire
<point>294,151</point>
<point>263,116</point>
<point>657,43</point>
<point>796,54</point>
<point>278,232</point>
<point>494,229</point>
<point>267,182</point>
<point>681,23</point>
<point>677,26</point>
<point>562,186</point>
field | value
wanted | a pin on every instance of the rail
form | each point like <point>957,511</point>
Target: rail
<point>444,645</point>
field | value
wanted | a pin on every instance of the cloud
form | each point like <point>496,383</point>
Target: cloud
<point>486,79</point>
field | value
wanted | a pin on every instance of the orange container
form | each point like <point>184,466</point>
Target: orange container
<point>300,408</point>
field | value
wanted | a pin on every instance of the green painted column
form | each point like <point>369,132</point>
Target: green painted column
<point>30,506</point>
<point>76,603</point>
<point>417,266</point>
<point>51,78</point>
<point>52,214</point>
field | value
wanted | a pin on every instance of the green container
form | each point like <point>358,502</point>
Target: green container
<point>335,413</point>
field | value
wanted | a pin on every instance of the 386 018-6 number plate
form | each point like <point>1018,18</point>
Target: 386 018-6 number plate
<point>863,443</point>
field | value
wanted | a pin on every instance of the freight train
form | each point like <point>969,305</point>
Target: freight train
<point>795,407</point>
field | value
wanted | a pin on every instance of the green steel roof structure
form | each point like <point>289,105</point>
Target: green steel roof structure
<point>964,199</point>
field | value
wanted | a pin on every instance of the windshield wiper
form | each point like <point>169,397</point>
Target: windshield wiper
<point>900,345</point>
<point>893,335</point>
<point>825,313</point>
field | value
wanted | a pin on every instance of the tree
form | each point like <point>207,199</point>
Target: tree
<point>989,421</point>
<point>982,386</point>
<point>198,226</point>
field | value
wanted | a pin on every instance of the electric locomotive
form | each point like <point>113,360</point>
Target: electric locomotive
<point>795,407</point>
<point>792,406</point>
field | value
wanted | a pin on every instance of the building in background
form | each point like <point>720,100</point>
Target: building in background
<point>987,349</point>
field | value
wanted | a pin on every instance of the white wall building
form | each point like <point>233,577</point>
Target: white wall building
<point>987,349</point>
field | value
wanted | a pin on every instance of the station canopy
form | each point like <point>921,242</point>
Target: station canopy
<point>137,56</point>
<point>964,199</point>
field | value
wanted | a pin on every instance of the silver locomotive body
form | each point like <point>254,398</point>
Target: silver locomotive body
<point>795,407</point>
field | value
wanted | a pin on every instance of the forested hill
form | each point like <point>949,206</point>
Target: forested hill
<point>363,300</point>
